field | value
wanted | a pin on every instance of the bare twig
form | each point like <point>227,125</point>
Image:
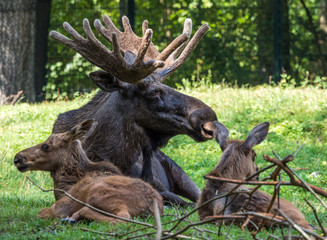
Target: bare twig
<point>101,233</point>
<point>299,183</point>
<point>248,182</point>
<point>187,227</point>
<point>294,225</point>
<point>316,215</point>
<point>203,204</point>
<point>13,99</point>
<point>157,219</point>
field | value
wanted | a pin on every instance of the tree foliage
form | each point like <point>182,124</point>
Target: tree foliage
<point>238,47</point>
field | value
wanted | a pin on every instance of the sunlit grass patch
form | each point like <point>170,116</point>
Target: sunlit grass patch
<point>297,116</point>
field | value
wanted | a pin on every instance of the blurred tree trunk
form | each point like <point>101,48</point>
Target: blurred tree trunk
<point>323,25</point>
<point>17,39</point>
<point>265,39</point>
<point>286,37</point>
<point>122,12</point>
<point>316,37</point>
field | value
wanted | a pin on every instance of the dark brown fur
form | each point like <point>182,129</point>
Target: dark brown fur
<point>237,162</point>
<point>137,116</point>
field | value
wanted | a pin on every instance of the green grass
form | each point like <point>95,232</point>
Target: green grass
<point>297,116</point>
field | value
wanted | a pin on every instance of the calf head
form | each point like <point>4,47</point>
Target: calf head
<point>58,148</point>
<point>237,160</point>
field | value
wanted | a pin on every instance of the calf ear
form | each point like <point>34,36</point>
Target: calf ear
<point>82,130</point>
<point>256,136</point>
<point>106,81</point>
<point>221,134</point>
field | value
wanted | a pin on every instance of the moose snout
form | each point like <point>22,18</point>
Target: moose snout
<point>201,120</point>
<point>19,159</point>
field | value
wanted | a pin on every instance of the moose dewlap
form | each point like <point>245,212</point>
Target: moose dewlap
<point>237,162</point>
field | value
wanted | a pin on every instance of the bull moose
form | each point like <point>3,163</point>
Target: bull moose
<point>237,162</point>
<point>99,184</point>
<point>136,112</point>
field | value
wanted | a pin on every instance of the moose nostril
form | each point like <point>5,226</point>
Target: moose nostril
<point>18,160</point>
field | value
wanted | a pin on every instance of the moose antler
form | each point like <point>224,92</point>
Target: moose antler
<point>141,57</point>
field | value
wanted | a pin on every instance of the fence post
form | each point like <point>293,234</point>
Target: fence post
<point>131,13</point>
<point>277,40</point>
<point>42,25</point>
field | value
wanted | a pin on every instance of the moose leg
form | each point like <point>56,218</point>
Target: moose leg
<point>147,174</point>
<point>88,213</point>
<point>161,182</point>
<point>182,183</point>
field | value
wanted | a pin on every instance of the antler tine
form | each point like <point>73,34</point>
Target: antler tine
<point>106,32</point>
<point>188,30</point>
<point>65,40</point>
<point>116,49</point>
<point>146,40</point>
<point>145,26</point>
<point>175,46</point>
<point>127,25</point>
<point>186,52</point>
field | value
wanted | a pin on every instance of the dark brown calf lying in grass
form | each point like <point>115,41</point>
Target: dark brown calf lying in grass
<point>62,155</point>
<point>237,162</point>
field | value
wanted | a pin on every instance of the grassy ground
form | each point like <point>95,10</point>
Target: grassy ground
<point>296,115</point>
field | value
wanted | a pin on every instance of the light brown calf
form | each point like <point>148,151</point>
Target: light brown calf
<point>123,196</point>
<point>63,156</point>
<point>237,162</point>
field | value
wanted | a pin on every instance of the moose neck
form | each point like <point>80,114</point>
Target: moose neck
<point>67,174</point>
<point>115,116</point>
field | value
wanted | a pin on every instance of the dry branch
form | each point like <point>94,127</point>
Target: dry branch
<point>13,99</point>
<point>247,182</point>
<point>316,215</point>
<point>158,221</point>
<point>297,227</point>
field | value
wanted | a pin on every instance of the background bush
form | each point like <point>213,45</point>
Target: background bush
<point>239,48</point>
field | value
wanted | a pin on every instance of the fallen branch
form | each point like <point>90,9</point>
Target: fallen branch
<point>294,225</point>
<point>316,215</point>
<point>244,182</point>
<point>157,219</point>
<point>299,183</point>
<point>13,99</point>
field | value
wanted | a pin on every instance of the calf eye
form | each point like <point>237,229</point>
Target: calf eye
<point>45,147</point>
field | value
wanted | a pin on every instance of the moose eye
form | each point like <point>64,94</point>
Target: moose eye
<point>154,94</point>
<point>45,147</point>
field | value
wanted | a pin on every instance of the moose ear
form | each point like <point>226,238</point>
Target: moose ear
<point>256,136</point>
<point>221,134</point>
<point>82,130</point>
<point>106,81</point>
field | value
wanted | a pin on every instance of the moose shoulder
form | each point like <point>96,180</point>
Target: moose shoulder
<point>136,112</point>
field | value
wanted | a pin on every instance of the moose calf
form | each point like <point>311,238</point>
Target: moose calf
<point>237,162</point>
<point>63,156</point>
